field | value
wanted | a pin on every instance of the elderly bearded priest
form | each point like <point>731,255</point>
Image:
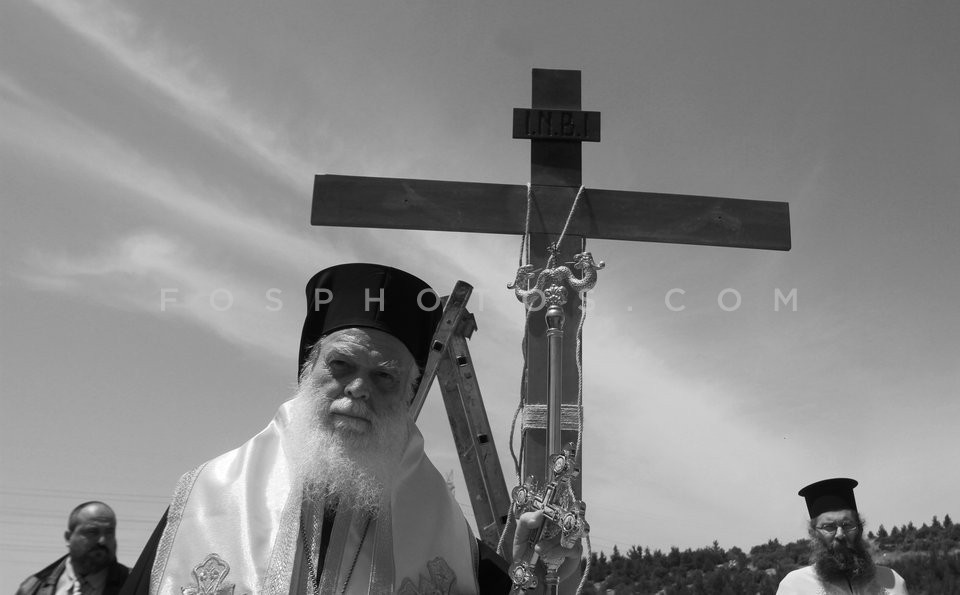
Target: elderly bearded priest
<point>841,562</point>
<point>336,495</point>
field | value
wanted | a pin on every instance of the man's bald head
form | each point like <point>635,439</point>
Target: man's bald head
<point>91,537</point>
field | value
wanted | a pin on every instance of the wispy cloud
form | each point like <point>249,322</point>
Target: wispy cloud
<point>159,275</point>
<point>204,97</point>
<point>133,269</point>
<point>56,137</point>
<point>208,104</point>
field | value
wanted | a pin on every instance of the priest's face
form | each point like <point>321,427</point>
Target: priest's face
<point>839,551</point>
<point>351,424</point>
<point>92,539</point>
<point>364,377</point>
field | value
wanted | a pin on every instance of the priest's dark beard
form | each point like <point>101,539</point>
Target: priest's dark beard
<point>354,469</point>
<point>842,563</point>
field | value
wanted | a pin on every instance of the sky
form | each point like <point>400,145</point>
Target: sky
<point>169,149</point>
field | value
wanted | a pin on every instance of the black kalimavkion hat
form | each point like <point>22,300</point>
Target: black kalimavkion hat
<point>371,296</point>
<point>830,494</point>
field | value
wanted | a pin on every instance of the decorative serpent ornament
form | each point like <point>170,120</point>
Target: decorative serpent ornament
<point>551,282</point>
<point>524,274</point>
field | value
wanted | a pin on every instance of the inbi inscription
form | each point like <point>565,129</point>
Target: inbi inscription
<point>553,124</point>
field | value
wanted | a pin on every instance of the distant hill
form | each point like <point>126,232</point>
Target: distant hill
<point>928,558</point>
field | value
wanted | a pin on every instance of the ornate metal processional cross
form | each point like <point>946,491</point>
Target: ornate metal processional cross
<point>556,126</point>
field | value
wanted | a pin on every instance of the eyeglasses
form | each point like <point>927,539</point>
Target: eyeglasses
<point>847,526</point>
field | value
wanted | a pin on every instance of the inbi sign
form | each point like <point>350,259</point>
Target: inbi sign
<point>556,124</point>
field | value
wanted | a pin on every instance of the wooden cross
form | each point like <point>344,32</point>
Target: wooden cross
<point>556,126</point>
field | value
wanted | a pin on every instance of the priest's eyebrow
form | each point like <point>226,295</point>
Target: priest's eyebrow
<point>353,351</point>
<point>390,365</point>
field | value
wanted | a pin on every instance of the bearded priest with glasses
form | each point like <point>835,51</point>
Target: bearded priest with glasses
<point>840,558</point>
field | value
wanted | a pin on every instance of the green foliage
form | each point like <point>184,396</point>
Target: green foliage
<point>928,559</point>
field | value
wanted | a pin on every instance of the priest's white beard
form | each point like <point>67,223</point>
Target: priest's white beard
<point>337,463</point>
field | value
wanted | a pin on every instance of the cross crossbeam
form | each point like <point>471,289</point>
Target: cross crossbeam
<point>398,203</point>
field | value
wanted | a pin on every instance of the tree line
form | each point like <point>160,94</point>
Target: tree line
<point>928,558</point>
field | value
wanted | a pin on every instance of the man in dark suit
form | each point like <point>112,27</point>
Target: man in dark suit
<point>90,567</point>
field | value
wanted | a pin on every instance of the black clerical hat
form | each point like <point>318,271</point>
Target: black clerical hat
<point>371,296</point>
<point>829,494</point>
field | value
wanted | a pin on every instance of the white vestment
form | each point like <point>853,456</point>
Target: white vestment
<point>805,581</point>
<point>234,528</point>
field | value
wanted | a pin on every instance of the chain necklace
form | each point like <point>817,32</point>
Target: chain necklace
<point>356,557</point>
<point>312,574</point>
